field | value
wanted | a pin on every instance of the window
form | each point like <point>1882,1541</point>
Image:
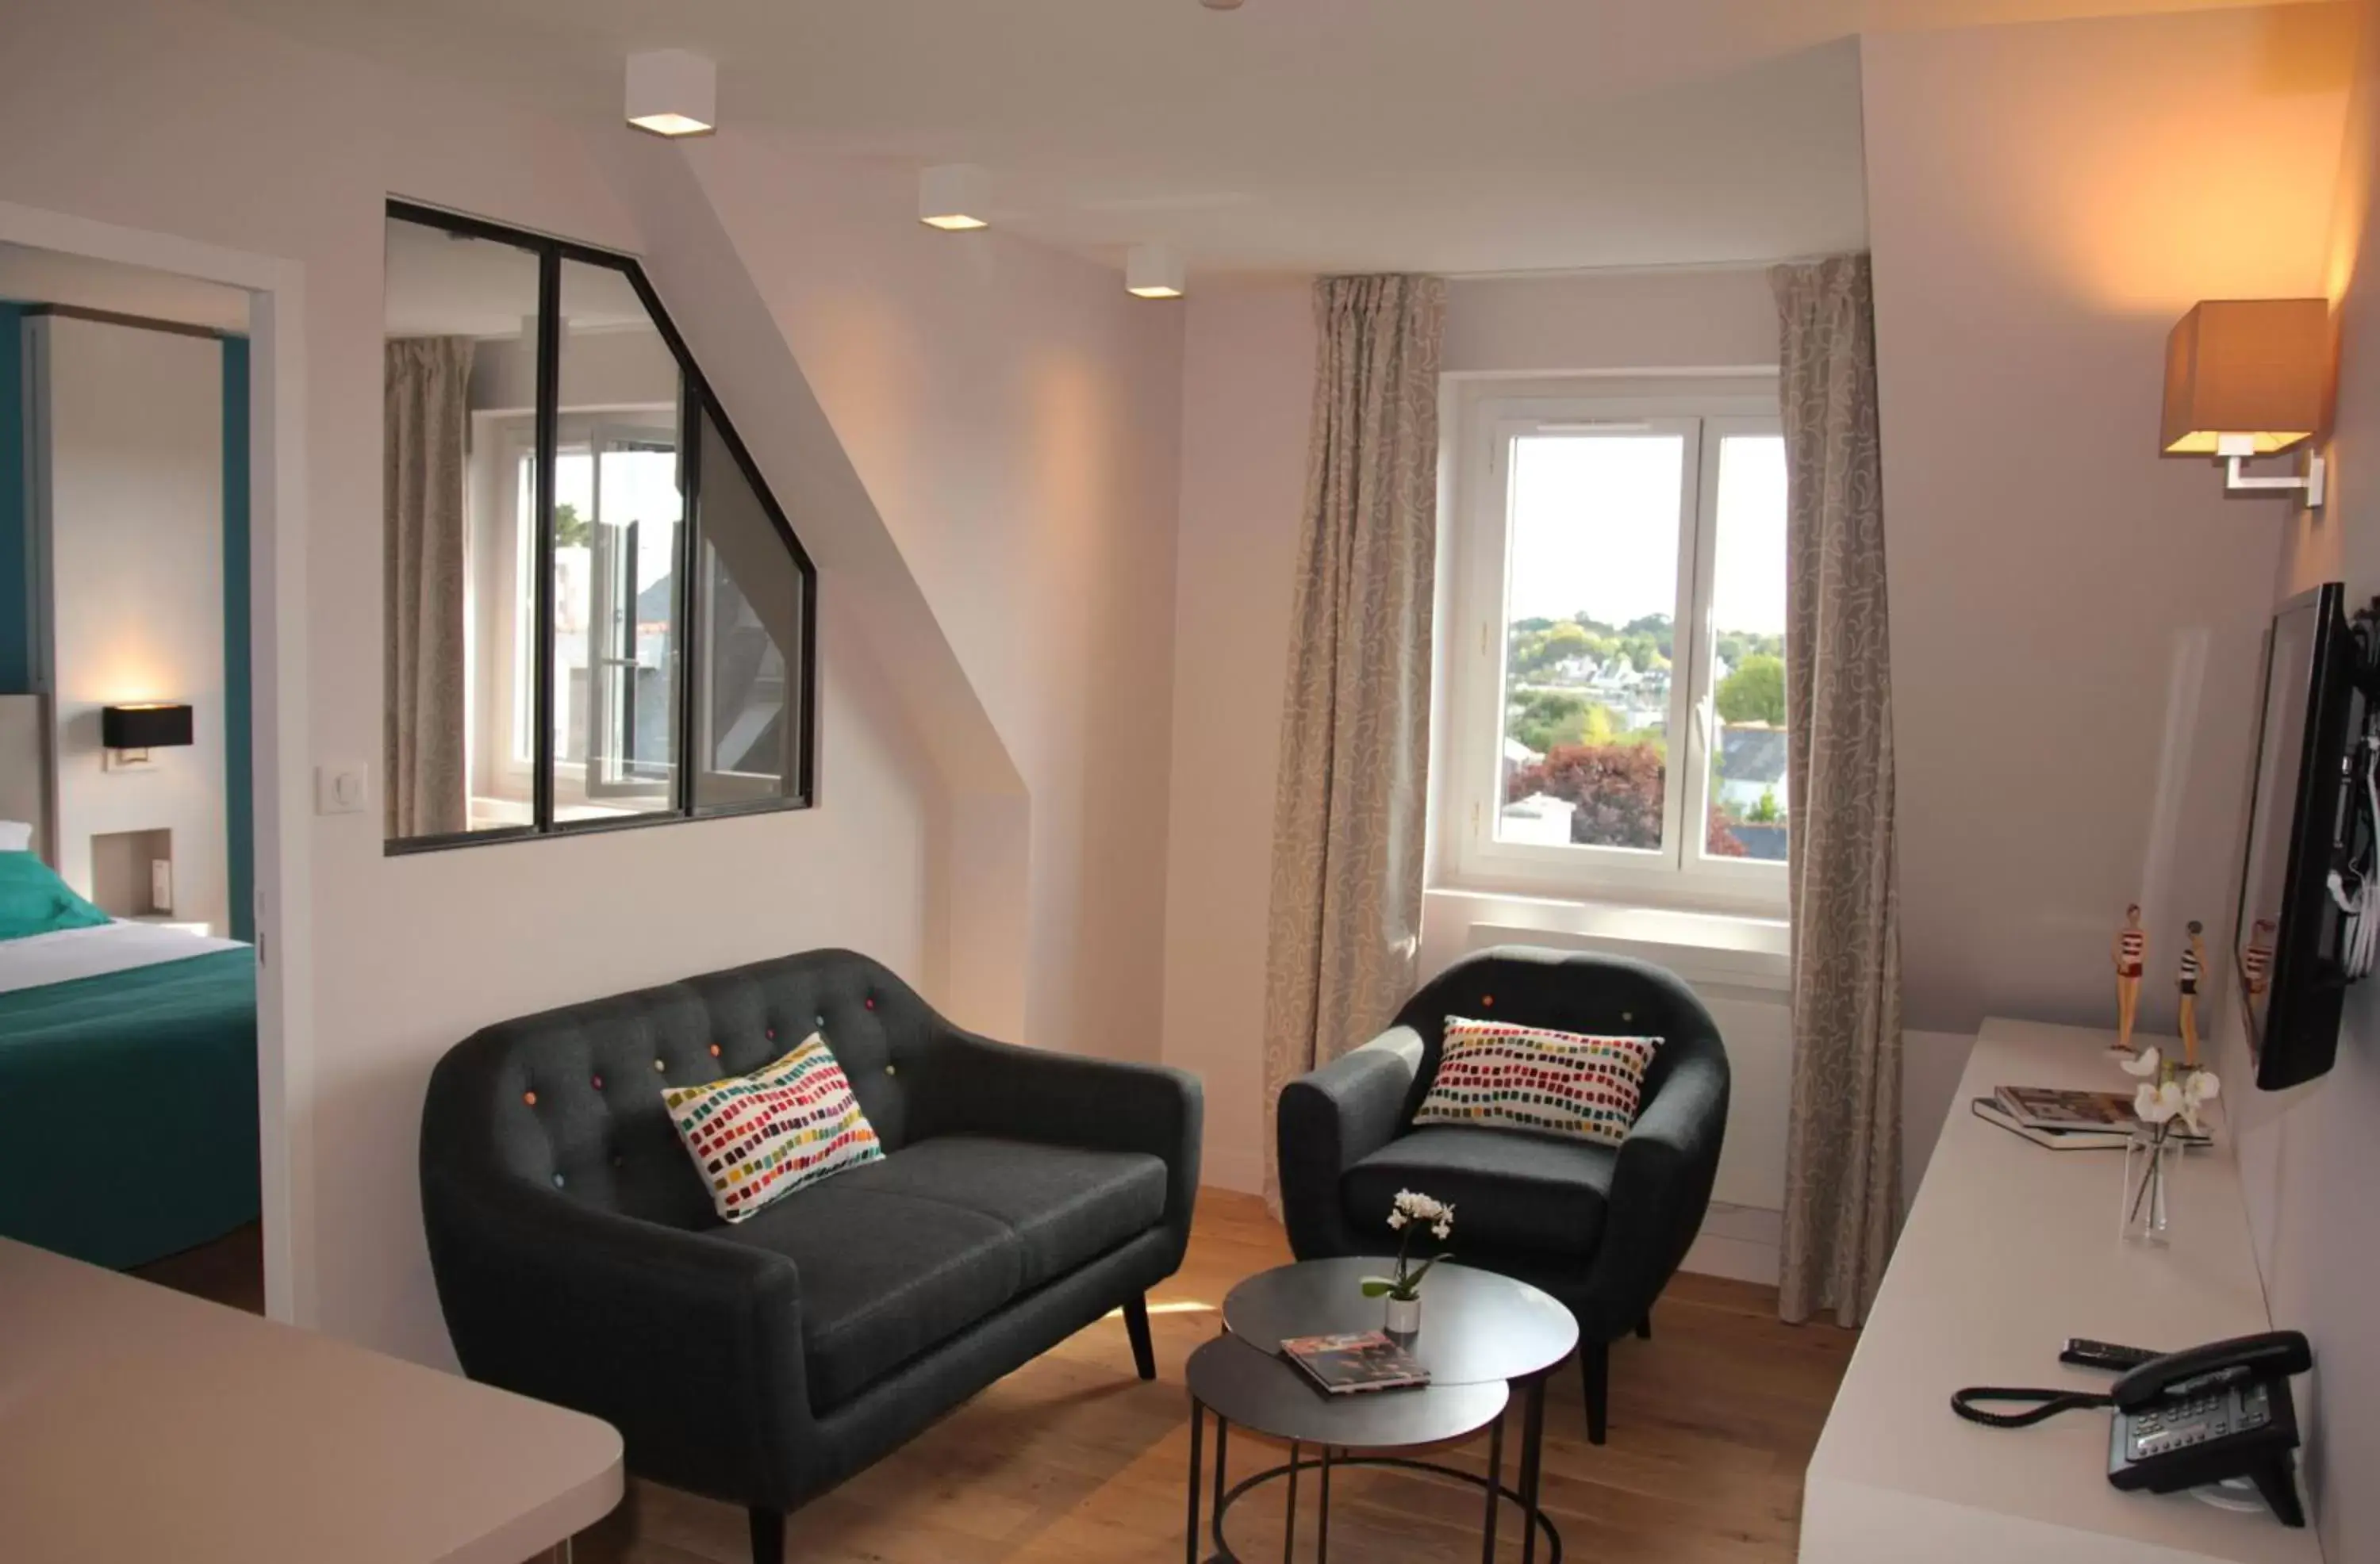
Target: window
<point>1617,703</point>
<point>597,614</point>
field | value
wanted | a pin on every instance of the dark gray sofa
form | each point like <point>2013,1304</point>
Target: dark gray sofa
<point>1023,1195</point>
<point>1600,1229</point>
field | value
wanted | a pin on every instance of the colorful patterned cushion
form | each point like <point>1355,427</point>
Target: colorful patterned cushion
<point>758,1137</point>
<point>1492,1074</point>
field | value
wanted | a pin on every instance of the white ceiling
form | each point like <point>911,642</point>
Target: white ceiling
<point>1290,135</point>
<point>44,276</point>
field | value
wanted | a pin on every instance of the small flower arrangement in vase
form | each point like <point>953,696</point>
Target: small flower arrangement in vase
<point>2168,1094</point>
<point>1408,1213</point>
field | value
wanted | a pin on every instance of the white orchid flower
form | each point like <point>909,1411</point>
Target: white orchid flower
<point>1397,1219</point>
<point>2146,1064</point>
<point>2202,1085</point>
<point>1442,1232</point>
<point>2150,1104</point>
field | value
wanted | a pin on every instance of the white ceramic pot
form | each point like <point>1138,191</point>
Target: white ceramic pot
<point>1404,1316</point>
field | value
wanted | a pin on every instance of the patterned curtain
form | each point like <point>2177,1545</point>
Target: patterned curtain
<point>427,408</point>
<point>1842,1166</point>
<point>1354,754</point>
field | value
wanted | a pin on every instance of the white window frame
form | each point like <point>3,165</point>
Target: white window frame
<point>1489,416</point>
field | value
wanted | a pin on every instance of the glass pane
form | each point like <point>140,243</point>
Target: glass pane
<point>749,621</point>
<point>618,507</point>
<point>1747,615</point>
<point>1591,590</point>
<point>460,383</point>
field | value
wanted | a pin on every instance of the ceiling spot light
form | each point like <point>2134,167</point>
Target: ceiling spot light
<point>1152,271</point>
<point>951,196</point>
<point>672,93</point>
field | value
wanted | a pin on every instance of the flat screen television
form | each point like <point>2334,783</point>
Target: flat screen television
<point>2286,943</point>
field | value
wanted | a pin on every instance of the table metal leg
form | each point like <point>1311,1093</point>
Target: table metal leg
<point>1322,1522</point>
<point>1495,1490</point>
<point>1532,1433</point>
<point>1190,1534</point>
<point>1289,1521</point>
<point>1222,1432</point>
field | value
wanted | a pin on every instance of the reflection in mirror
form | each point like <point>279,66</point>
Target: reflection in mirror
<point>617,506</point>
<point>750,622</point>
<point>596,614</point>
<point>461,326</point>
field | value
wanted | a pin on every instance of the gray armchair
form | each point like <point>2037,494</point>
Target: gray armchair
<point>1022,1195</point>
<point>1600,1229</point>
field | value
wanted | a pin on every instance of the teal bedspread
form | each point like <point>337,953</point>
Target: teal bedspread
<point>128,1109</point>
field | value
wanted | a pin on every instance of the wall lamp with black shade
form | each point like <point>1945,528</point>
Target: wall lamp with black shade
<point>129,734</point>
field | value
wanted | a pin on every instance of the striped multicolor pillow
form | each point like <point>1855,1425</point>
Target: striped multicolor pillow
<point>758,1137</point>
<point>1490,1074</point>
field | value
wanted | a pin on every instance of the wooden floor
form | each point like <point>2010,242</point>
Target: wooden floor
<point>230,1270</point>
<point>1073,1459</point>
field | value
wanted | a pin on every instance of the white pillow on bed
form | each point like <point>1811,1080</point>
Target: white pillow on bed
<point>16,836</point>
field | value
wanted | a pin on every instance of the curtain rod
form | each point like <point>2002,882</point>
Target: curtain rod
<point>1639,269</point>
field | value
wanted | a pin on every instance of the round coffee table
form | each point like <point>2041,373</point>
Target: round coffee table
<point>1481,1336</point>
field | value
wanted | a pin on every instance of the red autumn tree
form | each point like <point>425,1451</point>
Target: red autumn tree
<point>1616,790</point>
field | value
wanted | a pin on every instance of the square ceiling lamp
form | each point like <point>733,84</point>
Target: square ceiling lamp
<point>673,93</point>
<point>2250,377</point>
<point>954,197</point>
<point>1153,272</point>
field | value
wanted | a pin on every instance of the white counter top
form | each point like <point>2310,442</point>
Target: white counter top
<point>137,1424</point>
<point>2010,1249</point>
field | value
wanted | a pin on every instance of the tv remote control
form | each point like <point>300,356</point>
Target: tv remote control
<point>2085,1353</point>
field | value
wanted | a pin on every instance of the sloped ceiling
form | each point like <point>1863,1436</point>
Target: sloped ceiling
<point>1285,136</point>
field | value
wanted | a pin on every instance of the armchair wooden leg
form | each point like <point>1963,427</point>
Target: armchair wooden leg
<point>1135,1325</point>
<point>1645,1327</point>
<point>1594,1358</point>
<point>768,1537</point>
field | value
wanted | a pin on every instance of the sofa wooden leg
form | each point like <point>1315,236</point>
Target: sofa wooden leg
<point>1595,1358</point>
<point>1645,1327</point>
<point>1135,1325</point>
<point>768,1537</point>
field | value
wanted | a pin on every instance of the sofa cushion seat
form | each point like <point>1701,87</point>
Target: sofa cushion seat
<point>883,1277</point>
<point>899,1256</point>
<point>1510,1189</point>
<point>1066,1206</point>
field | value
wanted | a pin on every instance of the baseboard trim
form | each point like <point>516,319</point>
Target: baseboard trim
<point>1743,1242</point>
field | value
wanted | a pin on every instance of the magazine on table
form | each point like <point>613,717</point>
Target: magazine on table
<point>2067,1120</point>
<point>1354,1363</point>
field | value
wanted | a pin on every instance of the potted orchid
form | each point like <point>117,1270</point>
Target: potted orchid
<point>1407,1214</point>
<point>2169,1094</point>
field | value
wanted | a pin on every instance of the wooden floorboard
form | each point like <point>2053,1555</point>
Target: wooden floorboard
<point>1072,1458</point>
<point>229,1270</point>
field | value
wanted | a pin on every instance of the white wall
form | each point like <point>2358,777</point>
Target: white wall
<point>1247,380</point>
<point>2074,618</point>
<point>2309,1157</point>
<point>129,481</point>
<point>145,113</point>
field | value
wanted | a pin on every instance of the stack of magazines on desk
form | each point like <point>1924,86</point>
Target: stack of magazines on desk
<point>2070,1120</point>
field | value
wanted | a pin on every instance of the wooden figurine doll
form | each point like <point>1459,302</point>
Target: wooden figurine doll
<point>2132,953</point>
<point>2193,961</point>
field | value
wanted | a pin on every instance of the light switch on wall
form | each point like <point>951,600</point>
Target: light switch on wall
<point>339,788</point>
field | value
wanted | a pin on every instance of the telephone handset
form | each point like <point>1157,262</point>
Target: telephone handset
<point>2212,1412</point>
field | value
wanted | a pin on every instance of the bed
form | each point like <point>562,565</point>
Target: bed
<point>127,1078</point>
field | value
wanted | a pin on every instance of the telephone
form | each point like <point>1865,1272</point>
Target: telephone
<point>2218,1411</point>
<point>2214,1413</point>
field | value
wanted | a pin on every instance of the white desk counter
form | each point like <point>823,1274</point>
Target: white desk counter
<point>139,1424</point>
<point>2010,1249</point>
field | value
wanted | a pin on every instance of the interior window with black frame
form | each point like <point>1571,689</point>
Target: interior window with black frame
<point>1619,705</point>
<point>597,616</point>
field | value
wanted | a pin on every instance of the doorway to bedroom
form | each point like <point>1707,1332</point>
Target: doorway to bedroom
<point>128,961</point>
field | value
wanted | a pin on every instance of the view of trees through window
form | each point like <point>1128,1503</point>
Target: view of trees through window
<point>1601,530</point>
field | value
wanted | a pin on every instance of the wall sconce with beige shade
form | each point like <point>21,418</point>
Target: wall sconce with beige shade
<point>2250,377</point>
